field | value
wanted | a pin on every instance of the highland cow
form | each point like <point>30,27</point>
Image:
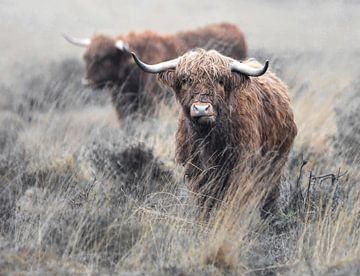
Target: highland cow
<point>231,112</point>
<point>109,62</point>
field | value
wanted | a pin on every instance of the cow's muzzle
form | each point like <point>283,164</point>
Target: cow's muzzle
<point>202,112</point>
<point>87,83</point>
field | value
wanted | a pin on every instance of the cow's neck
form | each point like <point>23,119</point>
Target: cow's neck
<point>213,154</point>
<point>211,141</point>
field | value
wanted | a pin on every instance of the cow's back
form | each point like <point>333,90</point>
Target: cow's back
<point>226,38</point>
<point>275,119</point>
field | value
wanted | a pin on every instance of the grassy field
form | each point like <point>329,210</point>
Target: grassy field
<point>82,192</point>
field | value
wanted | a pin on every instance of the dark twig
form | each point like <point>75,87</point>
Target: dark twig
<point>297,200</point>
<point>333,177</point>
<point>307,203</point>
<point>313,179</point>
<point>299,179</point>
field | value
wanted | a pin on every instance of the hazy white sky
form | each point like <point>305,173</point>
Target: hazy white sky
<point>32,29</point>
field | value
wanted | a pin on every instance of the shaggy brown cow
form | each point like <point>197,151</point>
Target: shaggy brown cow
<point>108,60</point>
<point>231,111</point>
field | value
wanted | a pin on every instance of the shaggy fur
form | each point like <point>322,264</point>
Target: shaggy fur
<point>254,121</point>
<point>132,88</point>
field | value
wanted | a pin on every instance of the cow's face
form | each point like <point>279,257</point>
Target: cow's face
<point>104,62</point>
<point>203,84</point>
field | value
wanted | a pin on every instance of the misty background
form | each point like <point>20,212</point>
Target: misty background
<point>31,30</point>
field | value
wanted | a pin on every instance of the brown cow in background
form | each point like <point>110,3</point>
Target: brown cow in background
<point>109,62</point>
<point>230,112</point>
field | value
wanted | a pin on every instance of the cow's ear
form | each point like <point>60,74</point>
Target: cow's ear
<point>167,78</point>
<point>236,81</point>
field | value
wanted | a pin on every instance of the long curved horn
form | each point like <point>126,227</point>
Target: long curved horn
<point>122,46</point>
<point>242,68</point>
<point>82,42</point>
<point>156,68</point>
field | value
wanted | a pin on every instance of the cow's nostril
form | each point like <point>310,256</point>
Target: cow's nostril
<point>207,108</point>
<point>195,108</point>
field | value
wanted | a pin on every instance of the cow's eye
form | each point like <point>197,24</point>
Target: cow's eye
<point>107,62</point>
<point>221,82</point>
<point>186,80</point>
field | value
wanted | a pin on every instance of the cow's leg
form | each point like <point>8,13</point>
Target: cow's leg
<point>270,202</point>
